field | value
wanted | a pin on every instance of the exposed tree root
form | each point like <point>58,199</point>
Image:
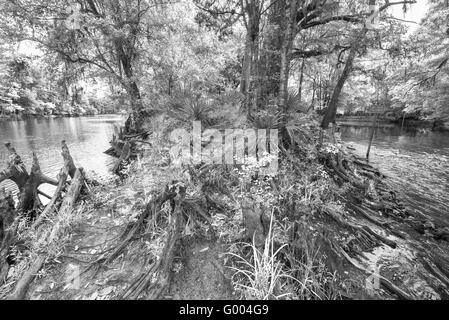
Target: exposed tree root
<point>124,157</point>
<point>156,279</point>
<point>49,236</point>
<point>28,184</point>
<point>133,229</point>
<point>392,288</point>
<point>123,147</point>
<point>29,200</point>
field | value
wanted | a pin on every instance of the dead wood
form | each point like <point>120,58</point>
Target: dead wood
<point>124,157</point>
<point>157,278</point>
<point>134,228</point>
<point>27,183</point>
<point>49,236</point>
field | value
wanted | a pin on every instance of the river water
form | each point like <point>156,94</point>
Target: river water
<point>415,161</point>
<point>86,137</point>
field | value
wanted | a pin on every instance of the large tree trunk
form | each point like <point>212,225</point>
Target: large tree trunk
<point>290,32</point>
<point>250,59</point>
<point>270,53</point>
<point>136,116</point>
<point>246,69</point>
<point>331,111</point>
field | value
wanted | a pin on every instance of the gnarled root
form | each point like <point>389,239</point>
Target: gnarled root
<point>49,236</point>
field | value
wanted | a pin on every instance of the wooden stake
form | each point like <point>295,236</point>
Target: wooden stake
<point>373,129</point>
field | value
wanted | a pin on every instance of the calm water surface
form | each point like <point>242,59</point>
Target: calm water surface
<point>86,137</point>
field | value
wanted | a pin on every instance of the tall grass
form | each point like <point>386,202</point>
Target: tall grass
<point>272,274</point>
<point>262,274</point>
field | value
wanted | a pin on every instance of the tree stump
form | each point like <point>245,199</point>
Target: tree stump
<point>27,183</point>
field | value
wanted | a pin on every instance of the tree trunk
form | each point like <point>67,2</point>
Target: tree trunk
<point>135,120</point>
<point>125,57</point>
<point>250,59</point>
<point>331,111</point>
<point>246,68</point>
<point>290,32</point>
<point>270,55</point>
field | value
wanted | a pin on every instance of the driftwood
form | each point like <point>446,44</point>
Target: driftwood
<point>49,236</point>
<point>69,169</point>
<point>51,206</point>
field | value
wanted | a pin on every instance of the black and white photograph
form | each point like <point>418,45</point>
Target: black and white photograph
<point>246,152</point>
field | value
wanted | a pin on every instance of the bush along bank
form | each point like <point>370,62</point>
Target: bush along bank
<point>326,226</point>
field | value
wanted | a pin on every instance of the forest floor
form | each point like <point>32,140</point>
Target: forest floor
<point>335,238</point>
<point>198,270</point>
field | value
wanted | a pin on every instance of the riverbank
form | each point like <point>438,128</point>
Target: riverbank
<point>52,116</point>
<point>368,121</point>
<point>87,138</point>
<point>336,229</point>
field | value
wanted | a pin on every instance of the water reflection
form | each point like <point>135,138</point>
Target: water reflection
<point>87,138</point>
<point>416,162</point>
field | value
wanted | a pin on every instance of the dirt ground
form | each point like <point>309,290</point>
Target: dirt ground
<point>203,276</point>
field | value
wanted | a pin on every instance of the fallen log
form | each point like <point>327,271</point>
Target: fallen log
<point>68,169</point>
<point>69,200</point>
<point>49,236</point>
<point>26,279</point>
<point>51,206</point>
<point>157,278</point>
